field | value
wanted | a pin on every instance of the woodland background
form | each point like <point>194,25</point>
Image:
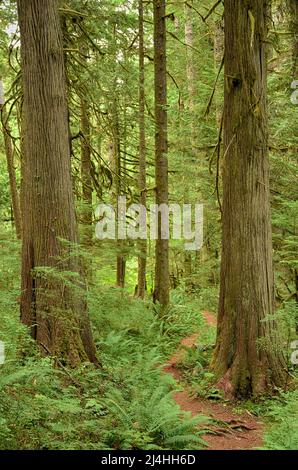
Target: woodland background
<point>52,397</point>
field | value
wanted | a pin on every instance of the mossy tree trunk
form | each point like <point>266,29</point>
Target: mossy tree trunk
<point>293,13</point>
<point>142,258</point>
<point>218,57</point>
<point>86,176</point>
<point>248,360</point>
<point>161,288</point>
<point>191,85</point>
<point>54,310</point>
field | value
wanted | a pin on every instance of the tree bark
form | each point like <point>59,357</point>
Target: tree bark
<point>190,71</point>
<point>142,258</point>
<point>161,290</point>
<point>191,85</point>
<point>293,10</point>
<point>248,360</point>
<point>55,311</point>
<point>86,177</point>
<point>14,194</point>
<point>218,57</point>
<point>121,261</point>
<point>117,163</point>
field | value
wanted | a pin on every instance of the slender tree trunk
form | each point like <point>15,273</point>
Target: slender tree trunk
<point>190,71</point>
<point>142,258</point>
<point>296,297</point>
<point>293,23</point>
<point>247,360</point>
<point>15,200</point>
<point>191,84</point>
<point>293,10</point>
<point>161,291</point>
<point>86,168</point>
<point>121,262</point>
<point>218,57</point>
<point>117,163</point>
<point>55,312</point>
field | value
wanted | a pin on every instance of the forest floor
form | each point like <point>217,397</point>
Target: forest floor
<point>233,430</point>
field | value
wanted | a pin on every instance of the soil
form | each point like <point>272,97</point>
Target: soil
<point>235,431</point>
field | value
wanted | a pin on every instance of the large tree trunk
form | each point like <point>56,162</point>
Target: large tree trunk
<point>161,291</point>
<point>247,358</point>
<point>142,258</point>
<point>54,311</point>
<point>14,194</point>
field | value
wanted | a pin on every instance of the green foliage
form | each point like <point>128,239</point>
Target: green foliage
<point>127,404</point>
<point>154,418</point>
<point>283,433</point>
<point>124,404</point>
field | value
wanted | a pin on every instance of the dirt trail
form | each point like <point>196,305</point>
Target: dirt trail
<point>240,431</point>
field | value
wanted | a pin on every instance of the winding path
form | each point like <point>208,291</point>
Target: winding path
<point>235,431</point>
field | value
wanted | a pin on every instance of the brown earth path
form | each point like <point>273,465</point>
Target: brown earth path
<point>238,431</point>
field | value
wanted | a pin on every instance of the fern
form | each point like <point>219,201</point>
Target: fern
<point>283,433</point>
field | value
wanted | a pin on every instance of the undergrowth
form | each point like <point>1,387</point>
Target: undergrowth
<point>282,432</point>
<point>126,403</point>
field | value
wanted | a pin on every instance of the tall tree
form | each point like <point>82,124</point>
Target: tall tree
<point>293,10</point>
<point>116,146</point>
<point>142,152</point>
<point>54,310</point>
<point>191,85</point>
<point>247,358</point>
<point>8,144</point>
<point>161,290</point>
<point>117,162</point>
<point>190,68</point>
<point>86,167</point>
<point>218,58</point>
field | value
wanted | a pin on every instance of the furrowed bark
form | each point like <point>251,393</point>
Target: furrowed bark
<point>161,291</point>
<point>248,360</point>
<point>54,310</point>
<point>142,244</point>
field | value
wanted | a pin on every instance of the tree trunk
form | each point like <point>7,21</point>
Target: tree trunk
<point>86,174</point>
<point>293,10</point>
<point>142,258</point>
<point>296,297</point>
<point>191,84</point>
<point>247,359</point>
<point>190,71</point>
<point>161,291</point>
<point>117,163</point>
<point>121,261</point>
<point>55,312</point>
<point>218,57</point>
<point>15,200</point>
